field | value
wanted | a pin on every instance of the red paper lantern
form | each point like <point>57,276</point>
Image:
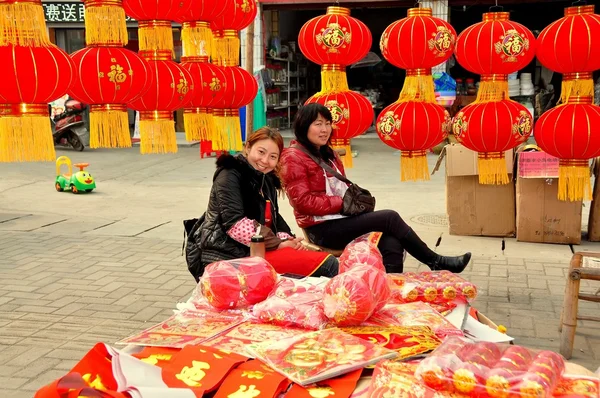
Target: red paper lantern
<point>204,10</point>
<point>31,78</point>
<point>413,127</point>
<point>352,115</point>
<point>258,279</point>
<point>495,46</point>
<point>491,128</point>
<point>221,286</point>
<point>571,132</point>
<point>107,79</point>
<point>335,38</point>
<point>418,41</point>
<point>157,10</point>
<point>238,14</point>
<point>171,90</point>
<point>196,35</point>
<point>568,46</point>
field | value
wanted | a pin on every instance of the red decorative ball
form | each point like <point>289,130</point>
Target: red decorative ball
<point>349,260</point>
<point>240,88</point>
<point>257,279</point>
<point>220,285</point>
<point>348,300</point>
<point>209,83</point>
<point>160,10</point>
<point>238,14</point>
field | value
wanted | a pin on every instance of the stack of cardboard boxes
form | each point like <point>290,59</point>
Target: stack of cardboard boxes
<point>528,209</point>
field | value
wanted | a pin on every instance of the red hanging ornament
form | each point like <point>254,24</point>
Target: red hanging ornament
<point>23,23</point>
<point>196,35</point>
<point>107,79</point>
<point>31,78</point>
<point>238,15</point>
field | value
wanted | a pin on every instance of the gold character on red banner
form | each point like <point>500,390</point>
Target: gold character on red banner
<point>245,392</point>
<point>193,375</point>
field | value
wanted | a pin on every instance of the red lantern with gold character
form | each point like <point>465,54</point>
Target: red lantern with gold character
<point>238,15</point>
<point>107,79</point>
<point>172,89</point>
<point>571,132</point>
<point>31,78</point>
<point>413,127</point>
<point>196,35</point>
<point>569,46</point>
<point>491,128</point>
<point>352,115</point>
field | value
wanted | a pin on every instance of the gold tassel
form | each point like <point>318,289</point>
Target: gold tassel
<point>23,24</point>
<point>157,132</point>
<point>576,85</point>
<point>155,35</point>
<point>228,132</point>
<point>105,23</point>
<point>574,180</point>
<point>413,166</point>
<point>418,86</point>
<point>197,39</point>
<point>26,139</point>
<point>199,124</point>
<point>109,126</point>
<point>492,88</point>
<point>333,79</point>
<point>227,48</point>
<point>342,143</point>
<point>492,168</point>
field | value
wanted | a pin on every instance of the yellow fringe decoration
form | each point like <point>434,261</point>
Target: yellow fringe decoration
<point>492,91</point>
<point>155,38</point>
<point>26,139</point>
<point>418,88</point>
<point>109,129</point>
<point>227,50</point>
<point>228,134</point>
<point>333,81</point>
<point>157,136</point>
<point>347,160</point>
<point>199,126</point>
<point>413,166</point>
<point>576,88</point>
<point>23,24</point>
<point>574,183</point>
<point>105,25</point>
<point>197,41</point>
<point>492,171</point>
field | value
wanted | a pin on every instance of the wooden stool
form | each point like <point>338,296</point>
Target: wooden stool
<point>568,316</point>
<point>311,246</point>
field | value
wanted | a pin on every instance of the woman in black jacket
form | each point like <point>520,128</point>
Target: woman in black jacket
<point>243,199</point>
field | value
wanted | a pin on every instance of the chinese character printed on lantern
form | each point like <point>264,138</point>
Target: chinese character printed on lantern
<point>116,74</point>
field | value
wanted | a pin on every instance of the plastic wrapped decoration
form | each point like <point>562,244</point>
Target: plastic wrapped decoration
<point>362,251</point>
<point>491,370</point>
<point>293,304</point>
<point>352,297</point>
<point>431,287</point>
<point>237,283</point>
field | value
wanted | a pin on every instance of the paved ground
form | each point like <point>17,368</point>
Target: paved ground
<point>75,270</point>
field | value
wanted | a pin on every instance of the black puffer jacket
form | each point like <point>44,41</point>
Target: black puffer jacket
<point>235,194</point>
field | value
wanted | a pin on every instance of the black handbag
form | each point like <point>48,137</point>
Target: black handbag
<point>357,200</point>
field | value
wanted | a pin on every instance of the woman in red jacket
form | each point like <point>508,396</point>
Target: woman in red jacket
<point>317,198</point>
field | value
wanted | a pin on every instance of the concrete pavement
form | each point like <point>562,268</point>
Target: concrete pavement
<point>77,269</point>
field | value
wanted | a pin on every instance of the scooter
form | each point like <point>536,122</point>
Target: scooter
<point>68,128</point>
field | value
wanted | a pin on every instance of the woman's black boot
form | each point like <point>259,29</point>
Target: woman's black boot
<point>419,250</point>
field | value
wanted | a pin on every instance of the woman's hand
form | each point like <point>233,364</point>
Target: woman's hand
<point>295,243</point>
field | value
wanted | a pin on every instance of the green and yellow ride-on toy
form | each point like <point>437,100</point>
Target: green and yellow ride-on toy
<point>81,181</point>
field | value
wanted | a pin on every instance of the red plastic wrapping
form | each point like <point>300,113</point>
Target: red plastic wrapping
<point>237,283</point>
<point>293,303</point>
<point>362,251</point>
<point>352,297</point>
<point>491,370</point>
<point>431,287</point>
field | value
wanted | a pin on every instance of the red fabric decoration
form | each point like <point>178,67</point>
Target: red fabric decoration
<point>209,82</point>
<point>204,10</point>
<point>160,10</point>
<point>418,41</point>
<point>238,14</point>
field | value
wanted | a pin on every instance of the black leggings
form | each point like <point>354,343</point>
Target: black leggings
<point>336,234</point>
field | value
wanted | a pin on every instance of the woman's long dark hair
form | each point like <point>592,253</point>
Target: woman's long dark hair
<point>304,118</point>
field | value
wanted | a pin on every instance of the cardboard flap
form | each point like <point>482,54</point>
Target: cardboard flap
<point>461,161</point>
<point>439,160</point>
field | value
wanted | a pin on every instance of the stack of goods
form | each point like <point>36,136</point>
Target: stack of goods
<point>526,84</point>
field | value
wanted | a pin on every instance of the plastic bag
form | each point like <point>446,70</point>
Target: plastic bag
<point>362,251</point>
<point>352,297</point>
<point>431,287</point>
<point>293,303</point>
<point>237,283</point>
<point>491,370</point>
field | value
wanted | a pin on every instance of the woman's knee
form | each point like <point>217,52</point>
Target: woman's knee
<point>329,268</point>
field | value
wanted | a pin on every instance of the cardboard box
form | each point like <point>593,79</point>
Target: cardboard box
<point>541,217</point>
<point>475,209</point>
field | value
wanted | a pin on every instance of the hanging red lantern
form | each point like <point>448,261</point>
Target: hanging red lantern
<point>107,79</point>
<point>238,15</point>
<point>334,41</point>
<point>239,89</point>
<point>413,127</point>
<point>417,43</point>
<point>568,46</point>
<point>171,90</point>
<point>352,115</point>
<point>196,35</point>
<point>209,89</point>
<point>23,23</point>
<point>491,128</point>
<point>494,49</point>
<point>31,78</point>
<point>571,132</point>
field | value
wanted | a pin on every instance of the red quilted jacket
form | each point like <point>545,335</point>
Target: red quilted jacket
<point>304,183</point>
